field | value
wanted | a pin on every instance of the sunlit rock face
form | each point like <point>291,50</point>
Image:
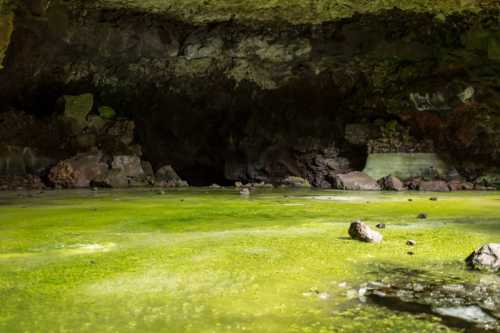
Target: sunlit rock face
<point>252,92</point>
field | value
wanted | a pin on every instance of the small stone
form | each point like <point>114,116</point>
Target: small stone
<point>433,199</point>
<point>161,192</point>
<point>410,200</point>
<point>215,186</point>
<point>95,189</point>
<point>410,253</point>
<point>380,226</point>
<point>238,184</point>
<point>422,216</point>
<point>411,242</point>
<point>245,192</point>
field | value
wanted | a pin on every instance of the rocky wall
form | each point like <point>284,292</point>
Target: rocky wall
<point>227,92</point>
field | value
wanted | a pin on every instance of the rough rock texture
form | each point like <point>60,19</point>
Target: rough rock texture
<point>78,171</point>
<point>433,186</point>
<point>356,181</point>
<point>229,90</point>
<point>167,177</point>
<point>486,257</point>
<point>360,231</point>
<point>391,183</point>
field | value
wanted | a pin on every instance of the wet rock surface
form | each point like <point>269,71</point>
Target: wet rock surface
<point>474,307</point>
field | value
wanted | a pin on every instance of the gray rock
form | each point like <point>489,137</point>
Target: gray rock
<point>486,257</point>
<point>356,181</point>
<point>361,231</point>
<point>245,192</point>
<point>128,165</point>
<point>411,242</point>
<point>166,173</point>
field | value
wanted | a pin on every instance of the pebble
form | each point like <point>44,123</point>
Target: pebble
<point>411,242</point>
<point>422,216</point>
<point>380,226</point>
<point>433,199</point>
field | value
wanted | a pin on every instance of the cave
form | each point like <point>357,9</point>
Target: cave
<point>235,166</point>
<point>251,101</point>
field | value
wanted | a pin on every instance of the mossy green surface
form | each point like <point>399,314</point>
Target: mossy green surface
<point>199,260</point>
<point>291,11</point>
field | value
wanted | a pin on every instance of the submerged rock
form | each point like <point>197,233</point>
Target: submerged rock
<point>487,257</point>
<point>356,181</point>
<point>361,231</point>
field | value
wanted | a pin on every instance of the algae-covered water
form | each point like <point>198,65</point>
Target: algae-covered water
<point>202,260</point>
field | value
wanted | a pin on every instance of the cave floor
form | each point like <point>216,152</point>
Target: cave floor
<point>209,260</point>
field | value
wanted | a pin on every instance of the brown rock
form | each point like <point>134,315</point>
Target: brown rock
<point>361,231</point>
<point>434,186</point>
<point>391,183</point>
<point>356,181</point>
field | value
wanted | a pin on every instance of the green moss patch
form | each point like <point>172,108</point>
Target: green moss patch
<point>210,260</point>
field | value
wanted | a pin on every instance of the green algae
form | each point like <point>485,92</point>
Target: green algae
<point>202,260</point>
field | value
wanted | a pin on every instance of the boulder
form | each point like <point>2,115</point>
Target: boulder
<point>122,130</point>
<point>148,169</point>
<point>167,177</point>
<point>391,183</point>
<point>78,171</point>
<point>361,231</point>
<point>487,257</point>
<point>294,181</point>
<point>433,186</point>
<point>356,181</point>
<point>115,178</point>
<point>457,185</point>
<point>128,165</point>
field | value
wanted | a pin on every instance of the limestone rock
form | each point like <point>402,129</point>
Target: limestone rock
<point>434,186</point>
<point>361,231</point>
<point>391,183</point>
<point>356,181</point>
<point>486,257</point>
<point>78,171</point>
